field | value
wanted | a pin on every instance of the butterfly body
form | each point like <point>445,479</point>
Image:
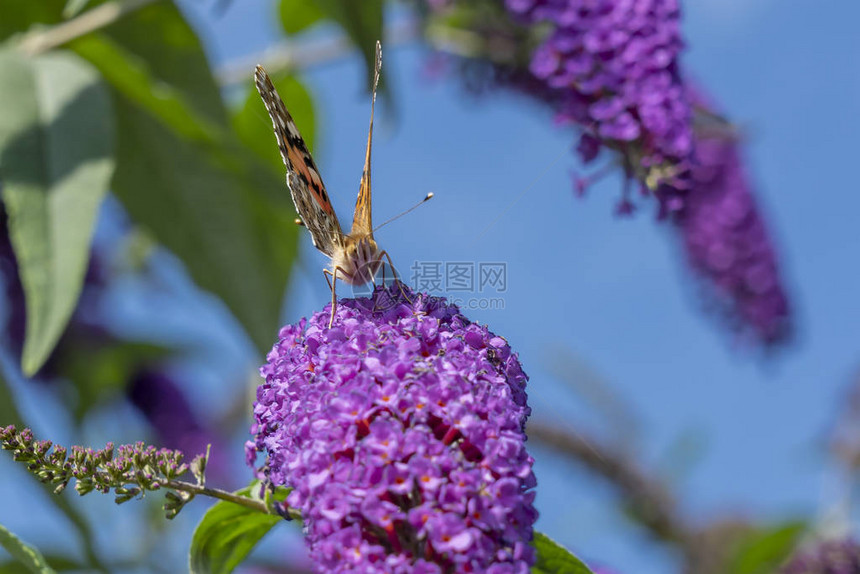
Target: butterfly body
<point>355,257</point>
<point>358,260</point>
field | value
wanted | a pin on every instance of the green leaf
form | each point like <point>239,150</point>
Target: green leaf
<point>155,59</point>
<point>23,553</point>
<point>57,562</point>
<point>229,221</point>
<point>298,15</point>
<point>362,22</point>
<point>74,7</point>
<point>553,558</point>
<point>56,160</point>
<point>166,46</point>
<point>227,534</point>
<point>21,15</point>
<point>765,549</point>
<point>256,133</point>
<point>182,172</point>
<point>131,76</point>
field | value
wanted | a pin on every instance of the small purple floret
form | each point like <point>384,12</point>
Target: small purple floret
<point>400,430</point>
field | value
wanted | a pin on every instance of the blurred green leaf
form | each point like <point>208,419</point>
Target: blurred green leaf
<point>227,533</point>
<point>23,553</point>
<point>74,7</point>
<point>168,47</point>
<point>765,549</point>
<point>130,75</point>
<point>57,562</point>
<point>252,122</point>
<point>182,172</point>
<point>298,15</point>
<point>553,558</point>
<point>20,15</point>
<point>56,160</point>
<point>155,59</point>
<point>212,213</point>
<point>362,22</point>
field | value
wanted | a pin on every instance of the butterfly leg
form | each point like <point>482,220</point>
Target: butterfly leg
<point>332,285</point>
<point>385,254</point>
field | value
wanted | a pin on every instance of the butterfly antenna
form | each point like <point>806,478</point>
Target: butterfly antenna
<point>365,180</point>
<point>427,198</point>
<point>377,68</point>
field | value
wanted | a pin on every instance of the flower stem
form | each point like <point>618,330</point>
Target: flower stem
<point>250,503</point>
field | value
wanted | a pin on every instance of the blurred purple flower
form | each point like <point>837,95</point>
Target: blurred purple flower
<point>611,67</point>
<point>160,399</point>
<point>728,245</point>
<point>400,431</point>
<point>831,557</point>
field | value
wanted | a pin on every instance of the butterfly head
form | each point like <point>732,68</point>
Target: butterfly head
<point>359,259</point>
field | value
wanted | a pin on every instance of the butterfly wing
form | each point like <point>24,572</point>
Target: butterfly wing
<point>362,223</point>
<point>303,178</point>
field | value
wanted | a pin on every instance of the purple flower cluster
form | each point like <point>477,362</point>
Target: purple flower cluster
<point>400,430</point>
<point>728,245</point>
<point>611,67</point>
<point>833,557</point>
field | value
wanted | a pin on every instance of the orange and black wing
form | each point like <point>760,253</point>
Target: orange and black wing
<point>362,222</point>
<point>303,178</point>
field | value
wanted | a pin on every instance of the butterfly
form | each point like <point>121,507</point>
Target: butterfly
<point>355,257</point>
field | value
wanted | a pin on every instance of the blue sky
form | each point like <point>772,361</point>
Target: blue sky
<point>614,293</point>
